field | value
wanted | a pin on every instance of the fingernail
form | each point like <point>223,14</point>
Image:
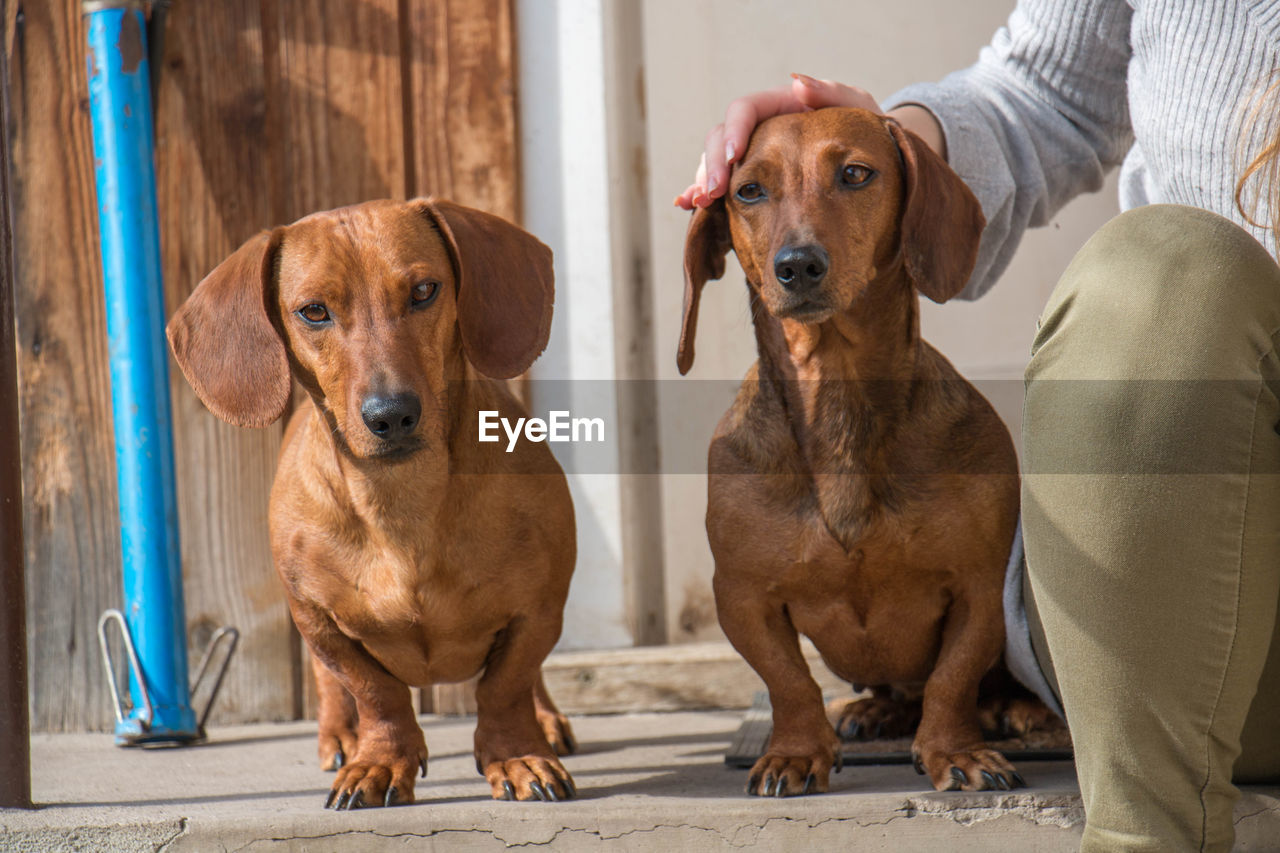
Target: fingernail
<point>804,78</point>
<point>729,152</point>
<point>712,185</point>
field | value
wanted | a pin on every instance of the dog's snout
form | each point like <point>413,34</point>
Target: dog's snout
<point>391,416</point>
<point>801,268</point>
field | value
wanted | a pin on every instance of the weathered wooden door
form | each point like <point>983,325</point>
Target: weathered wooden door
<point>267,110</point>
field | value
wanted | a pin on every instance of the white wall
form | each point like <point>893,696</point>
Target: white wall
<point>581,131</point>
<point>700,55</point>
<point>566,180</point>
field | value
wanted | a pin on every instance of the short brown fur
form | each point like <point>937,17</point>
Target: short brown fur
<point>861,492</point>
<point>428,558</point>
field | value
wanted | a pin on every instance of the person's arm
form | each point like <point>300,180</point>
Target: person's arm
<point>1039,119</point>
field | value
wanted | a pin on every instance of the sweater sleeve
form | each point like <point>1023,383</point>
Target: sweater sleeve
<point>1039,119</point>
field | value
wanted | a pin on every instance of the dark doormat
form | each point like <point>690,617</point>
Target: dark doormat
<point>753,736</point>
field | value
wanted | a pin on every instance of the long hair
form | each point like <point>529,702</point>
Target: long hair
<point>1258,188</point>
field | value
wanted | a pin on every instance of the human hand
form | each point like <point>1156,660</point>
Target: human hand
<point>726,142</point>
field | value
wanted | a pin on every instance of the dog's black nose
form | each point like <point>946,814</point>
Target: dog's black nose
<point>800,268</point>
<point>391,416</point>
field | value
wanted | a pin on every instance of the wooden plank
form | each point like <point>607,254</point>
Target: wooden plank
<point>664,678</point>
<point>212,140</point>
<point>15,743</point>
<point>333,89</point>
<point>70,517</point>
<point>461,99</point>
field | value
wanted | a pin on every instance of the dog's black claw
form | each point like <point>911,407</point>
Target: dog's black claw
<point>808,784</point>
<point>356,802</point>
<point>876,734</point>
<point>566,784</point>
<point>422,765</point>
<point>1005,784</point>
<point>570,745</point>
<point>390,798</point>
<point>333,795</point>
<point>753,785</point>
<point>508,791</point>
<point>769,783</point>
<point>538,791</point>
<point>852,730</point>
<point>339,759</point>
<point>990,779</point>
<point>1017,777</point>
<point>342,801</point>
<point>959,775</point>
<point>917,763</point>
<point>839,760</point>
<point>552,794</point>
<point>479,769</point>
<point>782,787</point>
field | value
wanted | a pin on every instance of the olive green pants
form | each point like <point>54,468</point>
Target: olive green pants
<point>1151,513</point>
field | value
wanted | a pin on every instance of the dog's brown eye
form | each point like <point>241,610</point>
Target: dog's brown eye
<point>424,293</point>
<point>314,313</point>
<point>750,192</point>
<point>857,176</point>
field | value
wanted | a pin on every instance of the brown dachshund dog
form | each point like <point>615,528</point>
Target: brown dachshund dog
<point>861,492</point>
<point>411,553</point>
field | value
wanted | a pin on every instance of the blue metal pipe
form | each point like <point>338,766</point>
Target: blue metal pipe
<point>120,108</point>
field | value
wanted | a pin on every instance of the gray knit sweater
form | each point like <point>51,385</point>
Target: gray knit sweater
<point>1068,89</point>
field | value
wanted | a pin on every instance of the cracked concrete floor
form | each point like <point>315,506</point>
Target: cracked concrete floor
<point>648,782</point>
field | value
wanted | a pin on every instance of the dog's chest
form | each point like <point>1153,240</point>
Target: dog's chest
<point>875,613</point>
<point>424,620</point>
<point>388,590</point>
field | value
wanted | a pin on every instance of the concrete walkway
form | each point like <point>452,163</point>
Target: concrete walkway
<point>648,782</point>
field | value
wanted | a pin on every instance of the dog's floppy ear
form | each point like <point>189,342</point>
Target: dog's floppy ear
<point>942,221</point>
<point>506,287</point>
<point>705,245</point>
<point>223,339</point>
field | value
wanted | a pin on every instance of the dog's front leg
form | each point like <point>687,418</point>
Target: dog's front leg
<point>949,746</point>
<point>390,749</point>
<point>511,747</point>
<point>803,747</point>
<point>554,724</point>
<point>336,718</point>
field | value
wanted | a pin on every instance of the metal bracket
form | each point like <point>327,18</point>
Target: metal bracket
<point>113,615</point>
<point>218,635</point>
<point>226,632</point>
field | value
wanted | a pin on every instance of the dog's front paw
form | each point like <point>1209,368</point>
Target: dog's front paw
<point>335,748</point>
<point>558,732</point>
<point>779,775</point>
<point>368,783</point>
<point>1017,717</point>
<point>875,717</point>
<point>531,777</point>
<point>974,769</point>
